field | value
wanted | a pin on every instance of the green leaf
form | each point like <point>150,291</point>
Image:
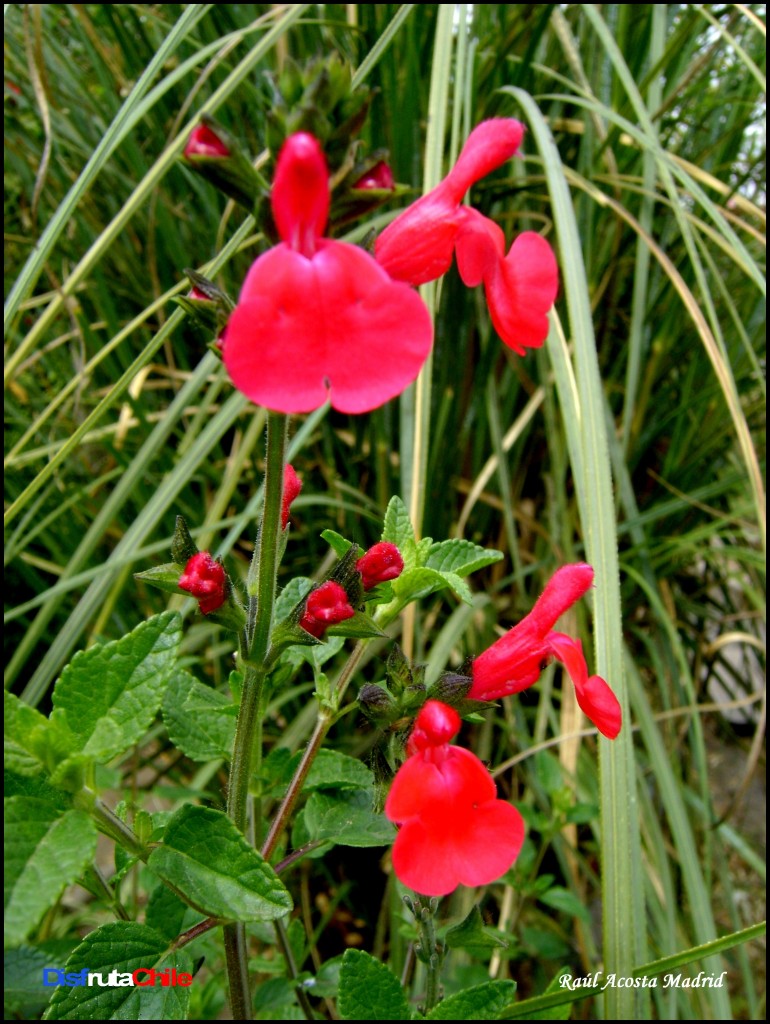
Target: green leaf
<point>566,901</point>
<point>359,626</point>
<point>397,528</point>
<point>474,935</point>
<point>347,819</point>
<point>482,1002</point>
<point>332,770</point>
<point>339,544</point>
<point>209,863</point>
<point>122,946</point>
<point>169,915</point>
<point>414,584</point>
<point>461,557</point>
<point>108,695</point>
<point>199,719</point>
<point>26,733</point>
<point>24,996</point>
<point>561,1012</point>
<point>369,990</point>
<point>36,786</point>
<point>45,851</point>
<point>164,577</point>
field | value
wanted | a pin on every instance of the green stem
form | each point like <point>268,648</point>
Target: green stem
<point>324,722</point>
<point>111,825</point>
<point>282,936</point>
<point>255,655</point>
<point>428,949</point>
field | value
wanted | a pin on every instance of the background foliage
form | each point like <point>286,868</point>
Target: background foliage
<point>117,418</point>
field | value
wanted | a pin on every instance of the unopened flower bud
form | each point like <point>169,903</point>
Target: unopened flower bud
<point>451,688</point>
<point>326,606</point>
<point>435,725</point>
<point>378,177</point>
<point>378,704</point>
<point>204,141</point>
<point>380,563</point>
<point>292,485</point>
<point>206,580</point>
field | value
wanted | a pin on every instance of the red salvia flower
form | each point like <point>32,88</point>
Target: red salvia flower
<point>418,246</point>
<point>292,485</point>
<point>206,580</point>
<point>454,830</point>
<point>326,606</point>
<point>380,563</point>
<point>319,319</point>
<point>515,661</point>
<point>204,141</point>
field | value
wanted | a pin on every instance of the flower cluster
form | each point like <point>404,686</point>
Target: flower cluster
<point>418,246</point>
<point>318,319</point>
<point>454,830</point>
<point>515,661</point>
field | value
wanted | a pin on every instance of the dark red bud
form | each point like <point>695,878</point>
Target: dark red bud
<point>205,142</point>
<point>292,485</point>
<point>380,176</point>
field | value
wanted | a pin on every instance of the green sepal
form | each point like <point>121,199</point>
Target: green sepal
<point>232,174</point>
<point>183,547</point>
<point>164,577</point>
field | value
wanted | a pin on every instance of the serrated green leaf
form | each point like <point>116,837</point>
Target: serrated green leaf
<point>333,770</point>
<point>45,851</point>
<point>369,990</point>
<point>199,719</point>
<point>122,946</point>
<point>207,861</point>
<point>413,584</point>
<point>461,557</point>
<point>482,1002</point>
<point>339,544</point>
<point>164,577</point>
<point>473,934</point>
<point>36,786</point>
<point>459,586</point>
<point>296,590</point>
<point>347,818</point>
<point>562,899</point>
<point>397,528</point>
<point>108,695</point>
<point>24,997</point>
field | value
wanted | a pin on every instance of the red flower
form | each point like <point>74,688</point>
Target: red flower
<point>319,319</point>
<point>517,659</point>
<point>418,246</point>
<point>381,562</point>
<point>206,580</point>
<point>454,831</point>
<point>292,485</point>
<point>204,141</point>
<point>326,605</point>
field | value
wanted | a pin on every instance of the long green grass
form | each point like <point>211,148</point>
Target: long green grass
<point>635,439</point>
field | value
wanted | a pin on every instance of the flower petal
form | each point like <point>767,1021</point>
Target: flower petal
<point>521,290</point>
<point>438,785</point>
<point>565,588</point>
<point>417,246</point>
<point>488,146</point>
<point>300,196</point>
<point>594,696</point>
<point>480,247</point>
<point>334,326</point>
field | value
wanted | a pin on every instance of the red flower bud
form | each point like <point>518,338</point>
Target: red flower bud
<point>206,580</point>
<point>378,177</point>
<point>198,295</point>
<point>380,563</point>
<point>325,607</point>
<point>292,485</point>
<point>205,142</point>
<point>435,725</point>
